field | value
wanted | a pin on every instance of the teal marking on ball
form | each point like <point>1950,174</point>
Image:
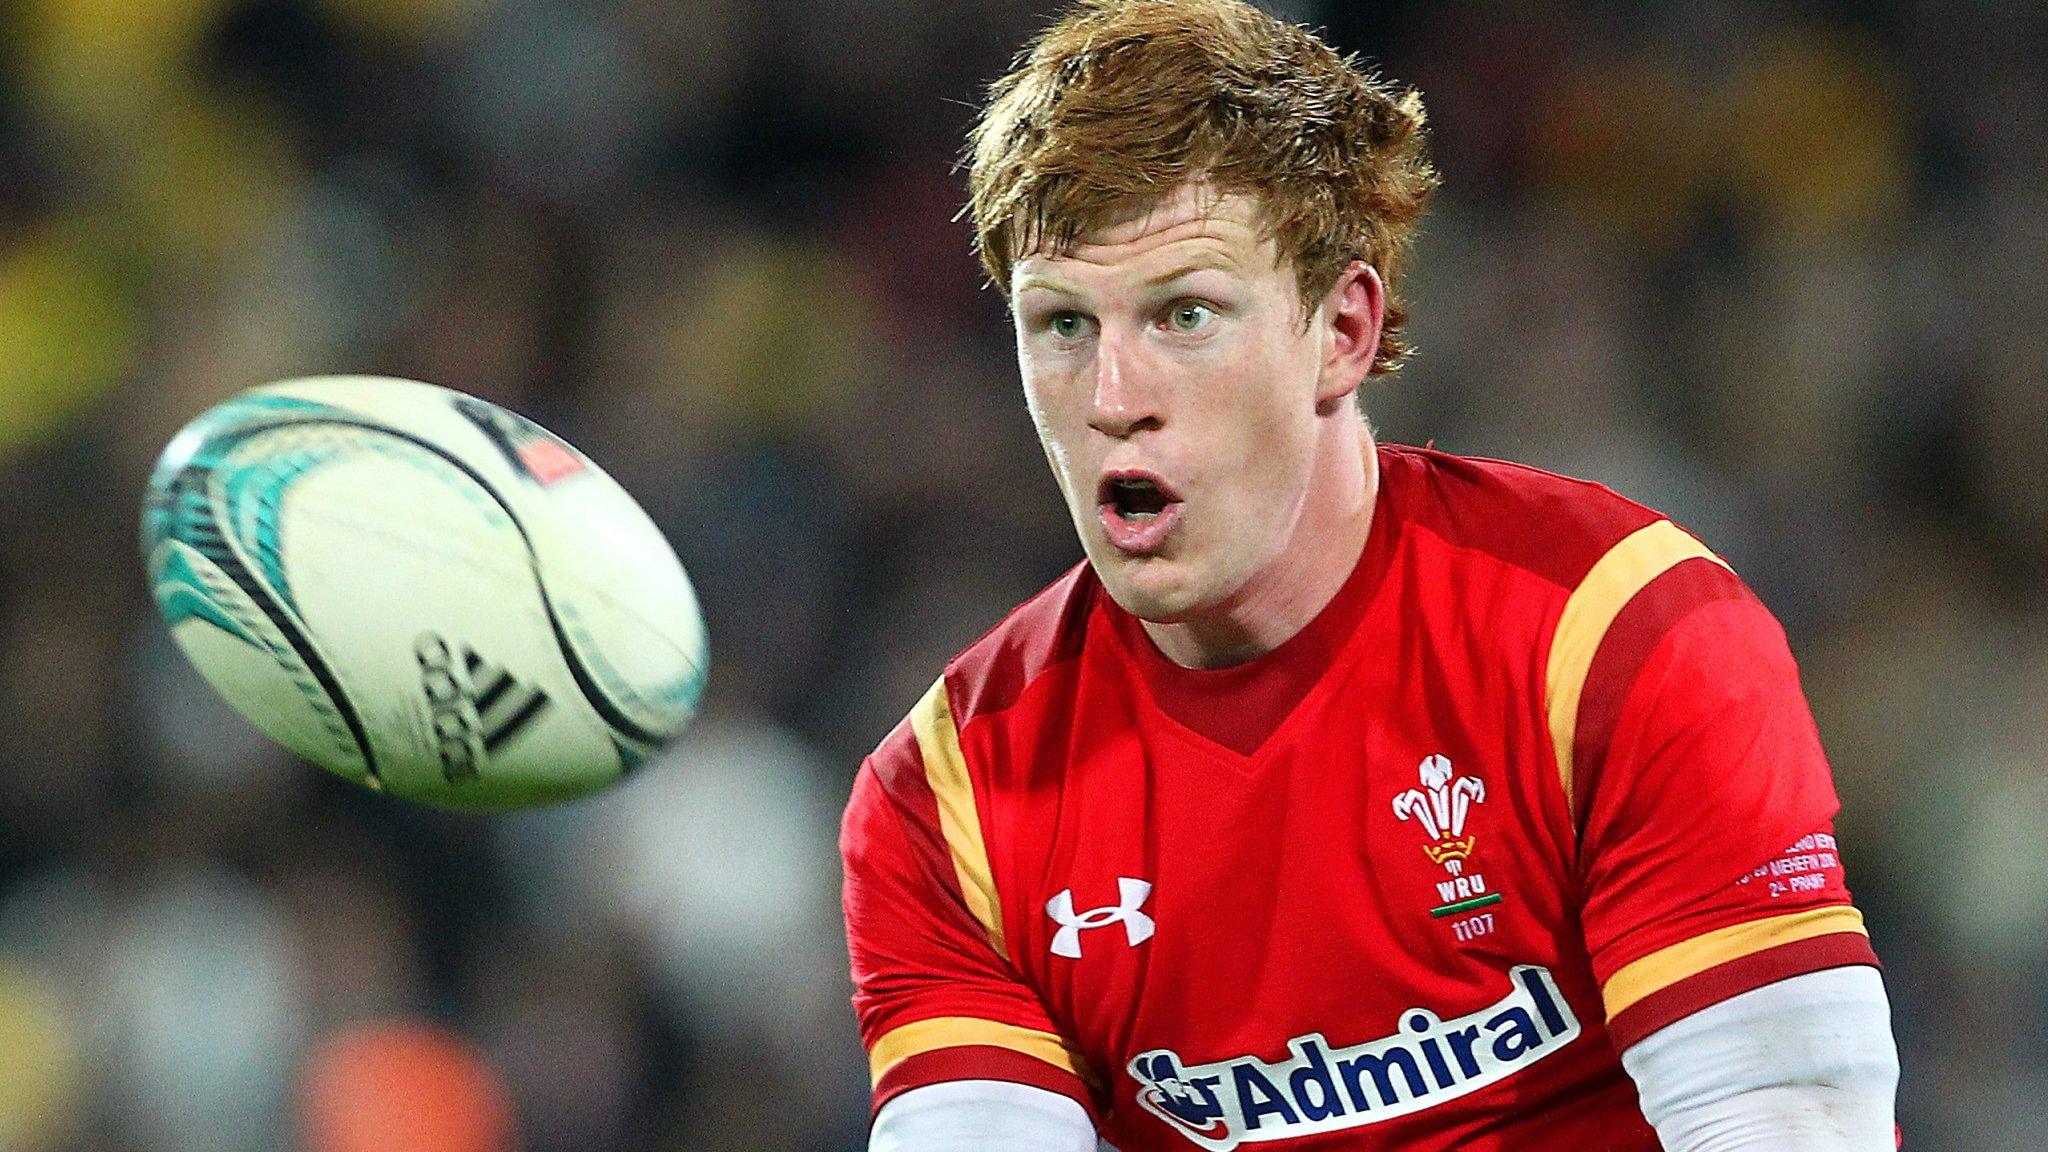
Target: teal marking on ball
<point>253,494</point>
<point>205,442</point>
<point>181,595</point>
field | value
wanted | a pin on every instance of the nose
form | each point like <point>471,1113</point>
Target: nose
<point>1125,400</point>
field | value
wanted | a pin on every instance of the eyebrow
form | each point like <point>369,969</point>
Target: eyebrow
<point>1211,263</point>
<point>1047,283</point>
<point>1215,262</point>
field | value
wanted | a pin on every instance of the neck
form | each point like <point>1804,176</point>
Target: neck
<point>1329,536</point>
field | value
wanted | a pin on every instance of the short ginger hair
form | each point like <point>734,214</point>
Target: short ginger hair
<point>1122,102</point>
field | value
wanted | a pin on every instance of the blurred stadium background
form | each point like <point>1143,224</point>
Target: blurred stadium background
<point>1779,268</point>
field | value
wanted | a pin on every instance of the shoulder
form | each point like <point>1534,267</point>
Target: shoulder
<point>1554,527</point>
<point>1600,552</point>
<point>1605,585</point>
<point>1039,635</point>
<point>988,676</point>
<point>1638,630</point>
<point>914,802</point>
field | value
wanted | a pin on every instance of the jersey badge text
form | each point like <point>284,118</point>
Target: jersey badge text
<point>1319,1088</point>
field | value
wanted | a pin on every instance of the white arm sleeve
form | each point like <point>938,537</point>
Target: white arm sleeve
<point>981,1116</point>
<point>1802,1065</point>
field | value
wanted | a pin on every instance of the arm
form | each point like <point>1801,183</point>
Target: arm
<point>938,1000</point>
<point>1737,975</point>
<point>1802,1065</point>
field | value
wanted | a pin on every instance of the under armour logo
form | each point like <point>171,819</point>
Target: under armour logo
<point>1131,896</point>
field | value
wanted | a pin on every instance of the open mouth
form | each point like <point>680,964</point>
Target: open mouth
<point>1136,497</point>
<point>1138,510</point>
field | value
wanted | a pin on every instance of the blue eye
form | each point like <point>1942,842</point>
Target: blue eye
<point>1188,316</point>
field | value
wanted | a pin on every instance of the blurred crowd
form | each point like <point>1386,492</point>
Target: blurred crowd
<point>1778,268</point>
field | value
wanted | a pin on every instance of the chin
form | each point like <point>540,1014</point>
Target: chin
<point>1151,588</point>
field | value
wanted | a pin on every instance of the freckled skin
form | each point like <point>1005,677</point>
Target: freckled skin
<point>1176,343</point>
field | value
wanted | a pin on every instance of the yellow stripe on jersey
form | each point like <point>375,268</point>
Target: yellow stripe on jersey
<point>945,769</point>
<point>1626,569</point>
<point>918,1037</point>
<point>1686,959</point>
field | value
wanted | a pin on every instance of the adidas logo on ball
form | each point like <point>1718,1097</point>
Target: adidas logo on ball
<point>477,706</point>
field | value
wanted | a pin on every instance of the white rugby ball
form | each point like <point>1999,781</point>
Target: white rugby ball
<point>422,592</point>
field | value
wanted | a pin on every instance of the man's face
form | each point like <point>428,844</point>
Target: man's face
<point>1176,390</point>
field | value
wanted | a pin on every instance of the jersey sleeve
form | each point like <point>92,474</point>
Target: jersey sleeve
<point>1702,800</point>
<point>937,1000</point>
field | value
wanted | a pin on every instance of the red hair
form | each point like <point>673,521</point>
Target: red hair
<point>1123,102</point>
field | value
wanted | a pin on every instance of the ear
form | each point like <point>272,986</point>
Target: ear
<point>1350,319</point>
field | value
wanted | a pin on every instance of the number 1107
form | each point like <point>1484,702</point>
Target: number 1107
<point>1472,928</point>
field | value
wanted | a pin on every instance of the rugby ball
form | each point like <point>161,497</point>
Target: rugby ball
<point>422,592</point>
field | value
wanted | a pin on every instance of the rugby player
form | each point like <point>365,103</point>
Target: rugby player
<point>1348,796</point>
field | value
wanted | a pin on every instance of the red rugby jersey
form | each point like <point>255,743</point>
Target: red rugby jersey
<point>1537,782</point>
